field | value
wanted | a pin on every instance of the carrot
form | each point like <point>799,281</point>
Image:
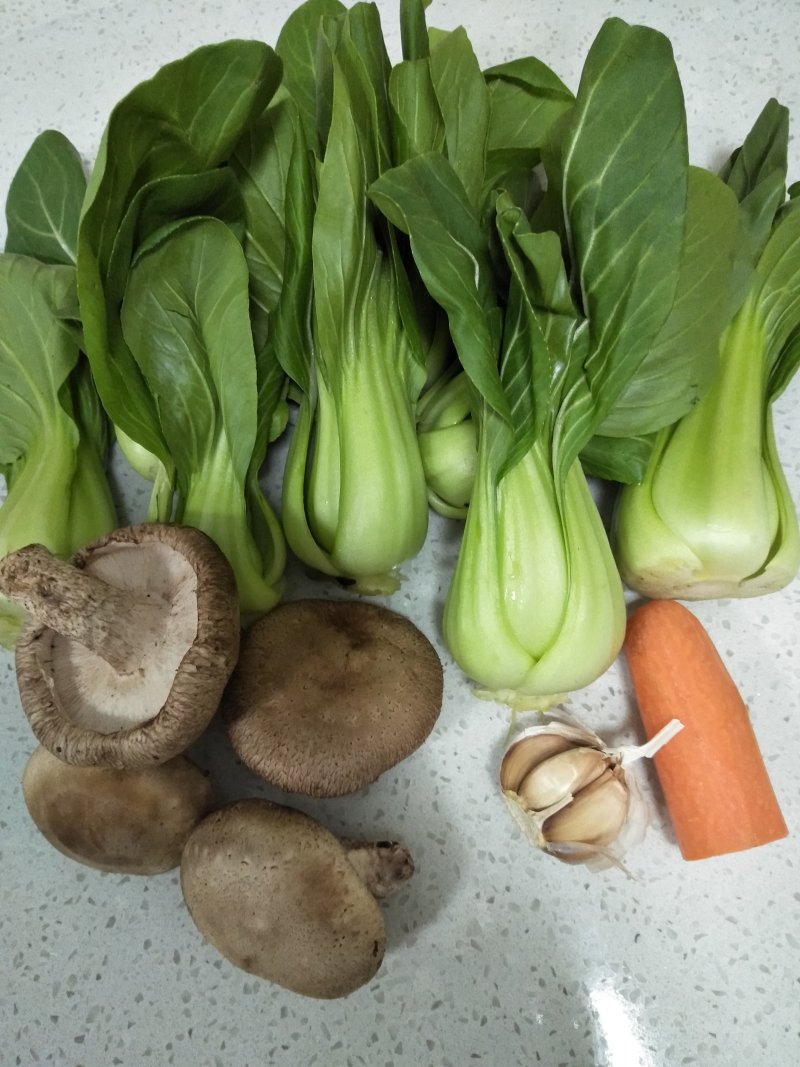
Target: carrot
<point>717,789</point>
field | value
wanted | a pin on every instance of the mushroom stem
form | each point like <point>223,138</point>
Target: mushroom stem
<point>71,602</point>
<point>383,866</point>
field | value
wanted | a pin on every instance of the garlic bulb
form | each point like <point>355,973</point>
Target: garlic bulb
<point>572,795</point>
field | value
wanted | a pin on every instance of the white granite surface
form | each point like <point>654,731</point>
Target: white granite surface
<point>497,956</point>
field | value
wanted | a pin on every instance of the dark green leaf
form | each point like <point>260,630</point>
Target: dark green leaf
<point>778,295</point>
<point>417,121</point>
<point>464,104</point>
<point>425,199</point>
<point>436,36</point>
<point>166,203</point>
<point>625,173</point>
<point>549,211</point>
<point>327,44</point>
<point>756,172</point>
<point>86,409</point>
<point>539,323</point>
<point>186,320</point>
<point>297,46</point>
<point>418,128</point>
<point>363,28</point>
<point>185,121</point>
<point>38,351</point>
<point>44,201</point>
<point>530,74</point>
<point>512,170</point>
<point>526,99</point>
<point>271,411</point>
<point>417,310</point>
<point>414,29</point>
<point>261,164</point>
<point>523,351</point>
<point>345,249</point>
<point>292,335</point>
<point>617,459</point>
<point>685,355</point>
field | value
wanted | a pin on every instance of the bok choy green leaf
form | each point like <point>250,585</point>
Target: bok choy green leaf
<point>527,101</point>
<point>44,201</point>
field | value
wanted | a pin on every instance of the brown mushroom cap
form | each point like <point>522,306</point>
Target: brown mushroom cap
<point>274,892</point>
<point>139,635</point>
<point>327,695</point>
<point>130,822</point>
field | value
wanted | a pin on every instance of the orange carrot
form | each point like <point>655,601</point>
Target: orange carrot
<point>717,789</point>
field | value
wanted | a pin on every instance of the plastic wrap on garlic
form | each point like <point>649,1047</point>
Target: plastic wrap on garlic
<point>573,796</point>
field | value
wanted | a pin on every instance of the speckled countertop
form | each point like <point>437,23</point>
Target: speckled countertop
<point>496,955</point>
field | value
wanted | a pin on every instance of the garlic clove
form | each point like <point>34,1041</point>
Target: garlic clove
<point>528,752</point>
<point>562,775</point>
<point>596,815</point>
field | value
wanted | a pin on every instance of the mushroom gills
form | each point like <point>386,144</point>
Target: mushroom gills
<point>130,644</point>
<point>88,690</point>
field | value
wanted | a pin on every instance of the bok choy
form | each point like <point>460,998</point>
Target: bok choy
<point>354,498</point>
<point>713,516</point>
<point>176,316</point>
<point>185,319</point>
<point>535,608</point>
<point>53,432</point>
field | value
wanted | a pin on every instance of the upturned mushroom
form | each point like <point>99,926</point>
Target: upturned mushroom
<point>282,898</point>
<point>327,695</point>
<point>129,645</point>
<point>129,822</point>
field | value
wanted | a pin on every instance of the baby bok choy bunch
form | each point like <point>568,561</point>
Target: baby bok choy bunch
<point>177,275</point>
<point>713,516</point>
<point>53,432</point>
<point>354,497</point>
<point>536,608</point>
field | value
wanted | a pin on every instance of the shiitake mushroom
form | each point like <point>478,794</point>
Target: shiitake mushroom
<point>129,822</point>
<point>282,898</point>
<point>329,694</point>
<point>129,645</point>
